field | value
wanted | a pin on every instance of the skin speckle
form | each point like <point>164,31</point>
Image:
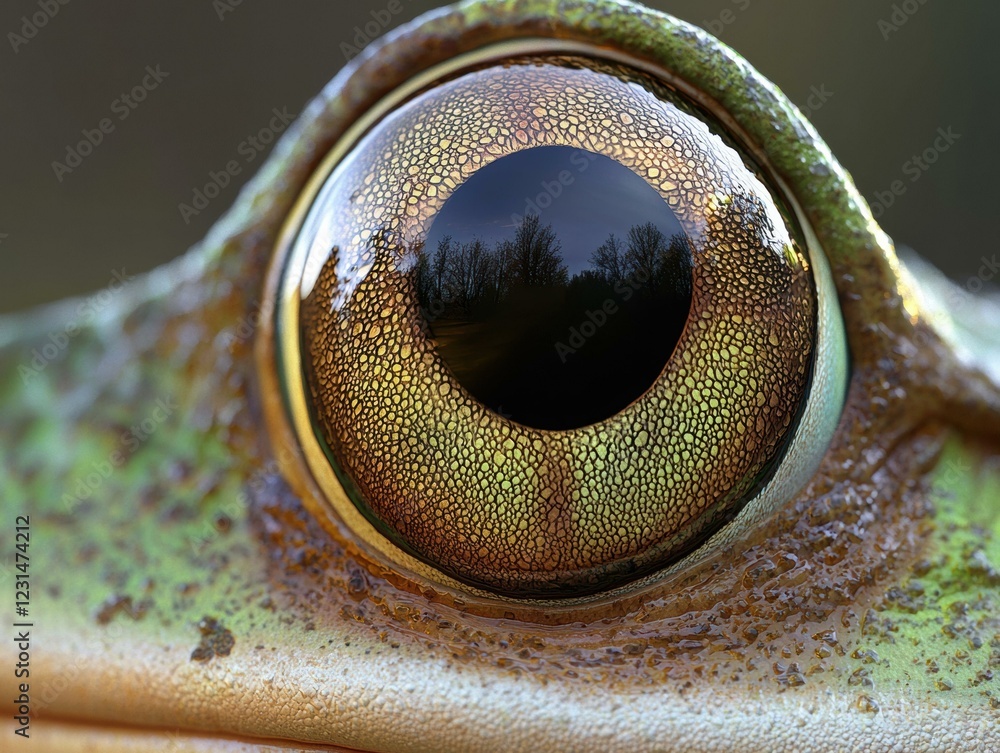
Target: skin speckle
<point>937,628</point>
<point>119,604</point>
<point>216,641</point>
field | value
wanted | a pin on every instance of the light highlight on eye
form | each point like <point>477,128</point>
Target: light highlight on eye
<point>394,391</point>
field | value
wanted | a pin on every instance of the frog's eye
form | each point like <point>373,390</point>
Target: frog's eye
<point>546,328</point>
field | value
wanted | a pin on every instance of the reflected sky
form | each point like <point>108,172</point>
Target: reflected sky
<point>584,196</point>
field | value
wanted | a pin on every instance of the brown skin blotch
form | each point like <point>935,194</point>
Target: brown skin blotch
<point>119,603</point>
<point>216,640</point>
<point>867,705</point>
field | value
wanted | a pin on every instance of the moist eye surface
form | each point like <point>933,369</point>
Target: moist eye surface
<point>429,357</point>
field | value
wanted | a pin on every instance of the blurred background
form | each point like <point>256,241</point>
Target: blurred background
<point>879,84</point>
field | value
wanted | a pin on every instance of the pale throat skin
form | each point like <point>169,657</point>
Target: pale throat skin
<point>864,614</point>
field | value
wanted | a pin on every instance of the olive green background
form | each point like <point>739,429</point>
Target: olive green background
<point>119,209</point>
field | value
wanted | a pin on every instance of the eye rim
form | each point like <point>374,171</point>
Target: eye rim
<point>863,265</point>
<point>344,520</point>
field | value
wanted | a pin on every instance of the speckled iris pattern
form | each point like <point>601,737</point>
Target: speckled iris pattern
<point>497,504</point>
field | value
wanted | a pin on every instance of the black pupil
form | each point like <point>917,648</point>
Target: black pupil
<point>555,284</point>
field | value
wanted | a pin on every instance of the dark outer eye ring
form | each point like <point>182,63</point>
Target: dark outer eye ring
<point>557,580</point>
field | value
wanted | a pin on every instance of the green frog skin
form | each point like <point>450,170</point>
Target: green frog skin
<point>187,596</point>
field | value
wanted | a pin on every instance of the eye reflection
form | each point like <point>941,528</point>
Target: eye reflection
<point>403,342</point>
<point>563,315</point>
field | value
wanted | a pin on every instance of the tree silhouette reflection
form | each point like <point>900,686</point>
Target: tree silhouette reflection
<point>548,348</point>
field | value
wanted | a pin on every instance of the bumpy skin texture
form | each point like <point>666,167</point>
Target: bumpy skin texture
<point>768,643</point>
<point>491,501</point>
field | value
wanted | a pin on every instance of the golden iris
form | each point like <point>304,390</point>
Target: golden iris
<point>614,482</point>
